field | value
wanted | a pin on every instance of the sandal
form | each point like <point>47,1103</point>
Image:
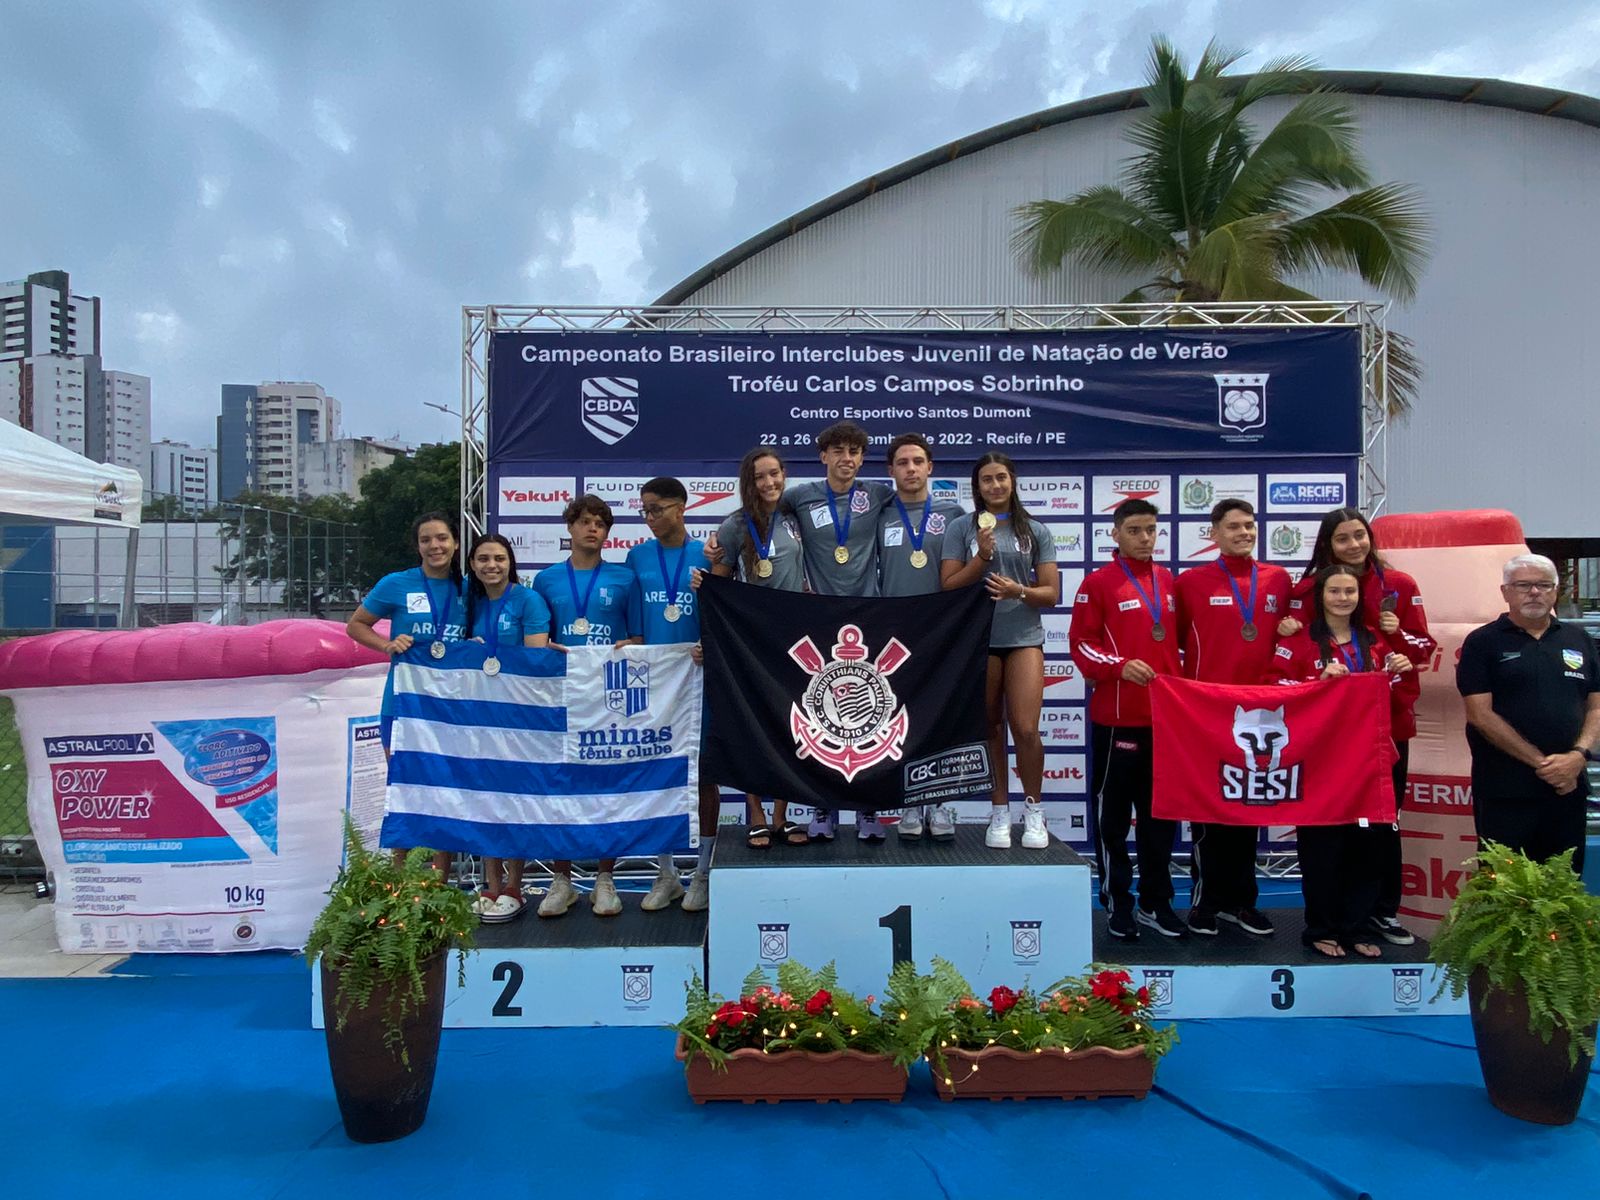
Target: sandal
<point>759,837</point>
<point>1327,947</point>
<point>795,835</point>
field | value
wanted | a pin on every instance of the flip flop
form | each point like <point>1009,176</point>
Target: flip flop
<point>759,837</point>
<point>1316,948</point>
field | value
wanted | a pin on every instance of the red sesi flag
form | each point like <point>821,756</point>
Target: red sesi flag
<point>1284,754</point>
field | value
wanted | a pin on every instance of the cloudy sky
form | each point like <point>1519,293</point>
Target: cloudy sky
<point>289,190</point>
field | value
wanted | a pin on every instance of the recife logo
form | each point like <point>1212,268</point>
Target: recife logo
<point>1305,493</point>
<point>610,407</point>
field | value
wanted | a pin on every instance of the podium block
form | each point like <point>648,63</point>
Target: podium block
<point>1235,974</point>
<point>574,970</point>
<point>1001,916</point>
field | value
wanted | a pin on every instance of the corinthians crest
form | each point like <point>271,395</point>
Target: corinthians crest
<point>848,718</point>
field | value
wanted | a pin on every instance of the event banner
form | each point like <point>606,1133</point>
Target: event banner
<point>846,702</point>
<point>590,753</point>
<point>1099,393</point>
<point>1285,754</point>
<point>192,816</point>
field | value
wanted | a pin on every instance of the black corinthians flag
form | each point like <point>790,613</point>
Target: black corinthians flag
<point>844,702</point>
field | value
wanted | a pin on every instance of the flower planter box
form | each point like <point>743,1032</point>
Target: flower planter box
<point>999,1073</point>
<point>751,1076</point>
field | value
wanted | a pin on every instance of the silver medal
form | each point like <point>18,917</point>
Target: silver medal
<point>491,665</point>
<point>436,650</point>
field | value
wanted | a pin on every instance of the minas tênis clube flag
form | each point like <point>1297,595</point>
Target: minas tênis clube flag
<point>1290,754</point>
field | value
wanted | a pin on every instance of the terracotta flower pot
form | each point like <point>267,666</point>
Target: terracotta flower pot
<point>751,1076</point>
<point>380,1097</point>
<point>1526,1077</point>
<point>1000,1073</point>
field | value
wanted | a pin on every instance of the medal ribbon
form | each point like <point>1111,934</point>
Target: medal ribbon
<point>1153,607</point>
<point>1359,662</point>
<point>905,519</point>
<point>440,619</point>
<point>762,552</point>
<point>491,635</point>
<point>839,535</point>
<point>683,555</point>
<point>1388,592</point>
<point>572,582</point>
<point>1248,612</point>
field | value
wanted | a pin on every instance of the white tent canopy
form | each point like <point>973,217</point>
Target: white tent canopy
<point>41,481</point>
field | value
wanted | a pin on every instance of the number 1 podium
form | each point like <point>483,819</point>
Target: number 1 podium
<point>1001,916</point>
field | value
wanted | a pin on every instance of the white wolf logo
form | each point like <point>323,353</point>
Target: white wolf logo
<point>1262,734</point>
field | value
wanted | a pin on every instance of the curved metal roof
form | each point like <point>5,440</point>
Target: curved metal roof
<point>1490,93</point>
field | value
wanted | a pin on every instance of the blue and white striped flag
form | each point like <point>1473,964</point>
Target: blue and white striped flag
<point>589,754</point>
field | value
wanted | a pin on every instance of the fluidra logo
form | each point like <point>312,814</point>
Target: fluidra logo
<point>610,407</point>
<point>1241,401</point>
<point>1261,735</point>
<point>848,717</point>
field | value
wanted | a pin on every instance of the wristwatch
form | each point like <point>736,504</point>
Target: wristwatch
<point>1589,755</point>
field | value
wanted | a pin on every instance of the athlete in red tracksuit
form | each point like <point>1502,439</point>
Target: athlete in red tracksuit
<point>1230,613</point>
<point>1124,634</point>
<point>1341,865</point>
<point>1392,606</point>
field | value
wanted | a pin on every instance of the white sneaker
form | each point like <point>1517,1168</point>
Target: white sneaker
<point>662,892</point>
<point>699,895</point>
<point>1034,834</point>
<point>999,835</point>
<point>942,824</point>
<point>505,907</point>
<point>604,898</point>
<point>911,824</point>
<point>560,897</point>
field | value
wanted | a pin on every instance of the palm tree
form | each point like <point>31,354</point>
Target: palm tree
<point>1208,211</point>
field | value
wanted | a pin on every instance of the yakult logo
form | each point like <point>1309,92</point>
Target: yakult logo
<point>535,496</point>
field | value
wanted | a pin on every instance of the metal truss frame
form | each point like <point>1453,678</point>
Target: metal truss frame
<point>479,323</point>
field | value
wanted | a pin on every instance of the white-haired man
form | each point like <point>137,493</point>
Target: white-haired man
<point>1531,685</point>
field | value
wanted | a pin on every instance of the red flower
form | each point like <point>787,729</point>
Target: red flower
<point>819,1001</point>
<point>1143,995</point>
<point>1106,986</point>
<point>1002,1000</point>
<point>730,1014</point>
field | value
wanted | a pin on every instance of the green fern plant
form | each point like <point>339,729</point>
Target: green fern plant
<point>1527,925</point>
<point>382,922</point>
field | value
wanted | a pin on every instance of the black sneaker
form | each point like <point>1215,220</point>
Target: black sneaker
<point>1251,920</point>
<point>1202,922</point>
<point>1391,931</point>
<point>1163,920</point>
<point>1120,925</point>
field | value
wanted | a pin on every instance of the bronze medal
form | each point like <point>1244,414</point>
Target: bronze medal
<point>1158,631</point>
<point>1248,631</point>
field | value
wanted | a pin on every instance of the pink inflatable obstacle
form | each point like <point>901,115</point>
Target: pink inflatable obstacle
<point>82,657</point>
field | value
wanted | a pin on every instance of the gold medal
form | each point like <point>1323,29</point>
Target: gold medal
<point>764,568</point>
<point>919,559</point>
<point>581,626</point>
<point>841,555</point>
<point>986,520</point>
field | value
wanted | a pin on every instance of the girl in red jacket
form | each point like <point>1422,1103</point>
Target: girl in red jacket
<point>1340,865</point>
<point>1391,605</point>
